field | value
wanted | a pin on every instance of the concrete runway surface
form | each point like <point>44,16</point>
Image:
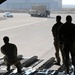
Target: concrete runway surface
<point>32,35</point>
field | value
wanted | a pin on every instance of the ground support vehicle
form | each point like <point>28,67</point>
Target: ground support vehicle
<point>39,10</point>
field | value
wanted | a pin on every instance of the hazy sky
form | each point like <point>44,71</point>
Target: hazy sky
<point>68,2</point>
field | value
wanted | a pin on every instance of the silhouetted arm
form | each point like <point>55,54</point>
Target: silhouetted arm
<point>2,51</point>
<point>61,34</point>
<point>15,50</point>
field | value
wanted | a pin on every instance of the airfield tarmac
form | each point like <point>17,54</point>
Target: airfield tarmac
<point>32,35</point>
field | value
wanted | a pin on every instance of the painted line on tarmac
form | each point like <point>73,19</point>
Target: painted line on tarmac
<point>22,25</point>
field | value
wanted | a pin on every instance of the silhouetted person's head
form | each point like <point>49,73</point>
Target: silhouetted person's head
<point>6,39</point>
<point>68,19</point>
<point>58,18</point>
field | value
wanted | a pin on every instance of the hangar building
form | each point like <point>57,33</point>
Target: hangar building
<point>27,4</point>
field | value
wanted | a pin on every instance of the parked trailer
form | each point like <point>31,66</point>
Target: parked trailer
<point>39,10</point>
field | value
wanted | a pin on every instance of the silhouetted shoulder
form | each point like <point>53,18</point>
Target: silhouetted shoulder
<point>12,44</point>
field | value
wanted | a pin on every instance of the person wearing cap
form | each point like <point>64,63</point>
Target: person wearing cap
<point>67,36</point>
<point>57,44</point>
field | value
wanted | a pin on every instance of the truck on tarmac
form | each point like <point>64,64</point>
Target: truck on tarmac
<point>39,10</point>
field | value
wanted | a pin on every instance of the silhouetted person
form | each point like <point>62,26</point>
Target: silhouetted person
<point>10,52</point>
<point>57,44</point>
<point>67,35</point>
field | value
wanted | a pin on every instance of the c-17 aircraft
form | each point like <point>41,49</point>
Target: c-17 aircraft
<point>29,66</point>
